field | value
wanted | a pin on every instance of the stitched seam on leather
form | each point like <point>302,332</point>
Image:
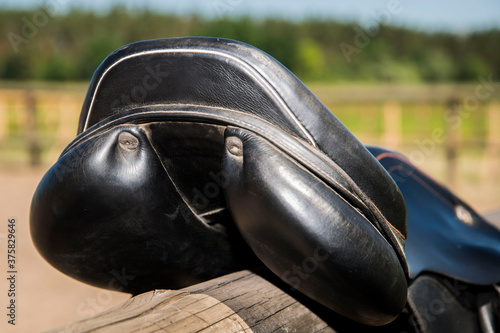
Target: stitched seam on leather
<point>324,174</point>
<point>389,223</point>
<point>263,134</point>
<point>385,220</point>
<point>256,129</point>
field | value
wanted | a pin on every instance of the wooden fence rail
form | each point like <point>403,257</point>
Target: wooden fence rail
<point>46,122</point>
<point>42,121</point>
<point>31,109</point>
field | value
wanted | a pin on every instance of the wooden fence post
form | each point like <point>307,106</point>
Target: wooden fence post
<point>452,123</point>
<point>367,128</point>
<point>490,163</point>
<point>392,125</point>
<point>34,146</point>
<point>3,119</point>
<point>67,126</point>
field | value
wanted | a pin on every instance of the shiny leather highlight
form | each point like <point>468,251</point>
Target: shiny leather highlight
<point>107,209</point>
<point>309,235</point>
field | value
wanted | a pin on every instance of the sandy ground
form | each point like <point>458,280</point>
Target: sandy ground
<point>45,298</point>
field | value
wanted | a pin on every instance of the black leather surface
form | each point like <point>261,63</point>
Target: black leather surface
<point>105,209</point>
<point>445,235</point>
<point>223,142</point>
<point>233,75</point>
<point>437,308</point>
<point>329,252</point>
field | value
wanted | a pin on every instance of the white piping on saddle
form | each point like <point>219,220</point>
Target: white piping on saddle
<point>239,61</point>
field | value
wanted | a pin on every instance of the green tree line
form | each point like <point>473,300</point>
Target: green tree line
<point>42,45</point>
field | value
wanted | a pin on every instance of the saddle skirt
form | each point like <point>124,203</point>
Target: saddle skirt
<point>188,146</point>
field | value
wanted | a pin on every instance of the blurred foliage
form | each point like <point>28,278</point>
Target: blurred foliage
<point>38,45</point>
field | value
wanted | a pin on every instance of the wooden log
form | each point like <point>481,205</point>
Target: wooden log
<point>239,302</point>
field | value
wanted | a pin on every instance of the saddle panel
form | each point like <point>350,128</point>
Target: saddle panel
<point>310,157</point>
<point>308,234</point>
<point>445,235</point>
<point>108,206</point>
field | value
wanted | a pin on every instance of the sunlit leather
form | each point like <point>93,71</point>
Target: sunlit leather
<point>445,235</point>
<point>222,142</point>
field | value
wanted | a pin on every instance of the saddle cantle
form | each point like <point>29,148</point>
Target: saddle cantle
<point>182,140</point>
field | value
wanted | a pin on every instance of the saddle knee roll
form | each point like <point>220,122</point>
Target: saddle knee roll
<point>308,234</point>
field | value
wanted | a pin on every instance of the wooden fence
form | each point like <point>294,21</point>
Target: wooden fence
<point>38,121</point>
<point>38,124</point>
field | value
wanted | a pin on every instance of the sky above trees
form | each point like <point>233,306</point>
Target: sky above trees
<point>444,15</point>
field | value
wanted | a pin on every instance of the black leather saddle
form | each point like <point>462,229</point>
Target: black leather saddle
<point>185,147</point>
<point>445,235</point>
<point>453,254</point>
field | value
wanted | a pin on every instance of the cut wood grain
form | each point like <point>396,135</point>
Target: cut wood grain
<point>238,302</point>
